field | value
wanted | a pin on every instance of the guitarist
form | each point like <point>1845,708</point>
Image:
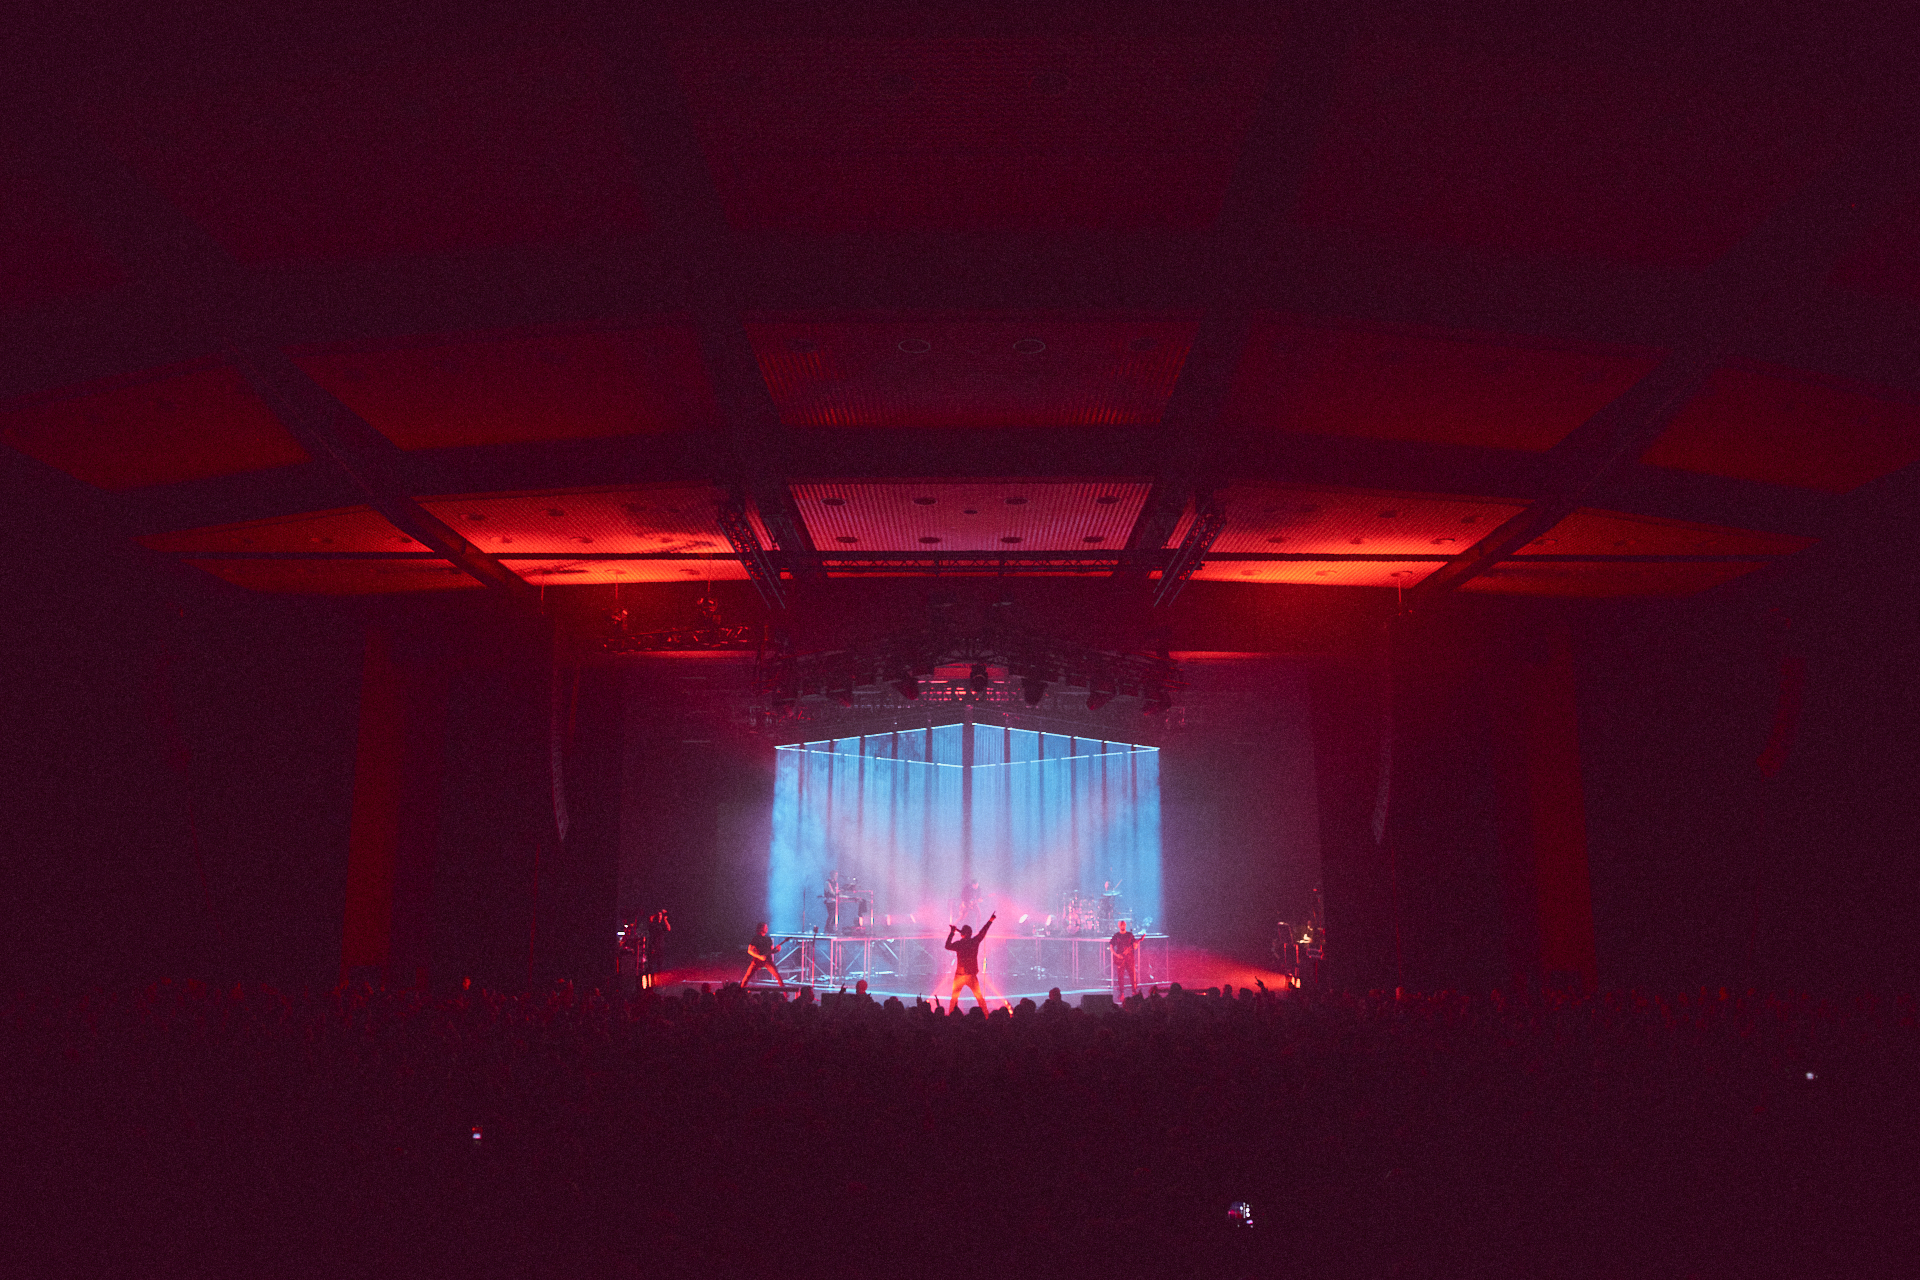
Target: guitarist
<point>760,953</point>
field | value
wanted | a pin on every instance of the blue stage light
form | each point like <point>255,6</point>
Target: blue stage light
<point>916,815</point>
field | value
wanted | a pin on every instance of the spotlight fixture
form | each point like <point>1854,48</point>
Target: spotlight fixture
<point>1032,688</point>
<point>978,679</point>
<point>909,688</point>
<point>1099,698</point>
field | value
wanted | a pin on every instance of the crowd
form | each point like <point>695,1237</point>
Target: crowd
<point>185,1130</point>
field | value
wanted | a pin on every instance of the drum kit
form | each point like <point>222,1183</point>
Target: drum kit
<point>1088,914</point>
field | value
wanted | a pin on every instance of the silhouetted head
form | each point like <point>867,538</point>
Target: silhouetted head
<point>761,927</point>
<point>1123,926</point>
<point>966,931</point>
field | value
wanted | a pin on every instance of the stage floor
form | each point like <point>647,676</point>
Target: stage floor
<point>919,965</point>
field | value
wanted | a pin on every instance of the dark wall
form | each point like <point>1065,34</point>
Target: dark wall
<point>177,761</point>
<point>1709,871</point>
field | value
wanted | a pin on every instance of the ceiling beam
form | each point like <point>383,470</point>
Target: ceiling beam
<point>686,206</point>
<point>167,249</point>
<point>1781,261</point>
<point>1259,200</point>
<point>1061,453</point>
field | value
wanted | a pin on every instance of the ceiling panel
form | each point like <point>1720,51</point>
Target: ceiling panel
<point>1564,157</point>
<point>356,529</point>
<point>978,135</point>
<point>339,577</point>
<point>979,516</point>
<point>1784,427</point>
<point>1316,378</point>
<point>1301,519</point>
<point>1588,532</point>
<point>162,428</point>
<point>664,518</point>
<point>501,389</point>
<point>588,572</point>
<point>421,155</point>
<point>971,373</point>
<point>1594,581</point>
<point>1342,574</point>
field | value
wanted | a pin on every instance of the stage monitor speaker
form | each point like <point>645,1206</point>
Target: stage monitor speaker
<point>1097,1002</point>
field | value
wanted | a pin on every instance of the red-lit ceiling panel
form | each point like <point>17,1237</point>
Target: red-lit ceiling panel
<point>500,389</point>
<point>1289,519</point>
<point>418,156</point>
<point>971,373</point>
<point>1563,158</point>
<point>1595,581</point>
<point>1010,516</point>
<point>668,518</point>
<point>1887,259</point>
<point>45,251</point>
<point>1780,427</point>
<point>1346,573</point>
<point>1610,533</point>
<point>840,136</point>
<point>1396,384</point>
<point>161,429</point>
<point>350,529</point>
<point>339,577</point>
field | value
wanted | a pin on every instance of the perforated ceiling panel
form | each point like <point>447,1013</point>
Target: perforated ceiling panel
<point>1781,427</point>
<point>883,135</point>
<point>351,529</point>
<point>672,518</point>
<point>1354,521</point>
<point>1288,519</point>
<point>950,373</point>
<point>1007,516</point>
<point>554,536</point>
<point>339,577</point>
<point>1395,384</point>
<point>421,155</point>
<point>1553,156</point>
<point>1588,532</point>
<point>1595,581</point>
<point>497,389</point>
<point>160,429</point>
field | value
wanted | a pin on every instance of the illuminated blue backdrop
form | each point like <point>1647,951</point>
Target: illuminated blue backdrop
<point>913,814</point>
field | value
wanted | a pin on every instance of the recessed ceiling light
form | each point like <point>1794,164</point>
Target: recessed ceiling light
<point>802,345</point>
<point>1095,537</point>
<point>1012,538</point>
<point>1142,344</point>
<point>833,502</point>
<point>846,537</point>
<point>914,346</point>
<point>972,511</point>
<point>475,515</point>
<point>1276,539</point>
<point>929,540</point>
<point>555,512</point>
<point>583,540</point>
<point>1029,347</point>
<point>1388,515</point>
<point>924,502</point>
<point>1016,502</point>
<point>1107,499</point>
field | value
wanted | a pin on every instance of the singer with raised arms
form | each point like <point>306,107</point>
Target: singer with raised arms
<point>966,960</point>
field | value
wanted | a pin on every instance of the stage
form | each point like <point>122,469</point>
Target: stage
<point>1011,965</point>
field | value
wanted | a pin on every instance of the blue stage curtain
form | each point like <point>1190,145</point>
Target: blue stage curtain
<point>1041,816</point>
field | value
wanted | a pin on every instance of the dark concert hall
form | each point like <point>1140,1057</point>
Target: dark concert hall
<point>1122,638</point>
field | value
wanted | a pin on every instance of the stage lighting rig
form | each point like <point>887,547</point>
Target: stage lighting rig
<point>977,641</point>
